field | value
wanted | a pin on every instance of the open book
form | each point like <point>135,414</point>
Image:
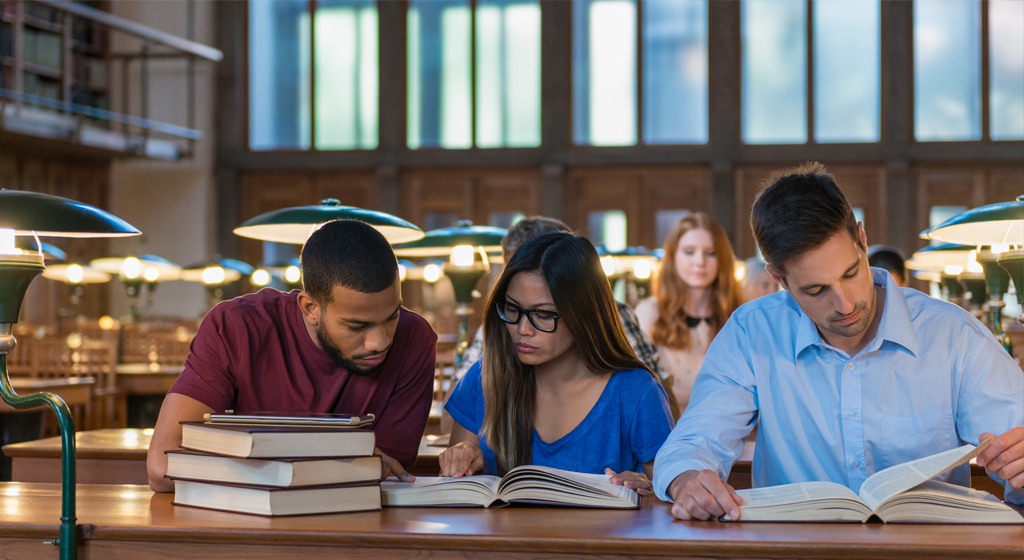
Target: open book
<point>900,494</point>
<point>525,484</point>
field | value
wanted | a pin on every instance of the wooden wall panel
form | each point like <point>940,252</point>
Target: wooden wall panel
<point>863,185</point>
<point>470,194</point>
<point>638,191</point>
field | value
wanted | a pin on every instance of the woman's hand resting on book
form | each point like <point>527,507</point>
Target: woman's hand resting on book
<point>461,459</point>
<point>630,479</point>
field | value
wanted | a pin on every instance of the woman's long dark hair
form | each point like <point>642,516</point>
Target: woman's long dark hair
<point>583,298</point>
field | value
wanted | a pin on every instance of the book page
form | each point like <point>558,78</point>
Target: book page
<point>794,493</point>
<point>886,483</point>
<point>940,502</point>
<point>439,491</point>
<point>535,482</point>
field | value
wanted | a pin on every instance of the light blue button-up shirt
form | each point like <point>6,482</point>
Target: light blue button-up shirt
<point>932,379</point>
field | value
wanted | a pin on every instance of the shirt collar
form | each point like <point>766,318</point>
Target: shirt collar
<point>894,326</point>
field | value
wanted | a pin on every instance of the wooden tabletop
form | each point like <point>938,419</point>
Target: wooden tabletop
<point>127,443</point>
<point>115,516</point>
<point>149,369</point>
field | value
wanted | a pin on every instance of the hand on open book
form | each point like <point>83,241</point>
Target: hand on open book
<point>630,479</point>
<point>702,495</point>
<point>1005,457</point>
<point>391,466</point>
<point>461,459</point>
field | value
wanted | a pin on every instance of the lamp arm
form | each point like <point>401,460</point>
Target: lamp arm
<point>68,538</point>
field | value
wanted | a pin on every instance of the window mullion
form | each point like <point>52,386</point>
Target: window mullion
<point>810,71</point>
<point>472,73</point>
<point>639,72</point>
<point>312,75</point>
<point>985,72</point>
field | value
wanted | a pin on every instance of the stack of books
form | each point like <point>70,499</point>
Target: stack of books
<point>275,470</point>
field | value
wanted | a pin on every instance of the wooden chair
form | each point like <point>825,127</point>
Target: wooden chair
<point>98,359</point>
<point>52,358</point>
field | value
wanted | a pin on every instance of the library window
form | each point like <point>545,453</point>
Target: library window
<point>947,70</point>
<point>611,88</point>
<point>1006,60</point>
<point>845,54</point>
<point>473,73</point>
<point>316,80</point>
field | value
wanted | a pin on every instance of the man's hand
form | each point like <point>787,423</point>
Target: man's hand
<point>462,459</point>
<point>1005,457</point>
<point>390,466</point>
<point>702,495</point>
<point>636,480</point>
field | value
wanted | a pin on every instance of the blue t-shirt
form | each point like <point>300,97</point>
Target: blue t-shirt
<point>624,429</point>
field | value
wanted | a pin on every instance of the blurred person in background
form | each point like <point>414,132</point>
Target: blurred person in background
<point>695,292</point>
<point>756,280</point>
<point>891,259</point>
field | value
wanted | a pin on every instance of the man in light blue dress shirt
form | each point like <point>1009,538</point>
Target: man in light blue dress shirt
<point>844,372</point>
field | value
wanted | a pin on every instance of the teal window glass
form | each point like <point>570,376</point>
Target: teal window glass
<point>947,70</point>
<point>774,71</point>
<point>439,109</point>
<point>604,72</point>
<point>847,70</point>
<point>279,75</point>
<point>1006,69</point>
<point>346,74</point>
<point>507,73</point>
<point>608,229</point>
<point>675,72</point>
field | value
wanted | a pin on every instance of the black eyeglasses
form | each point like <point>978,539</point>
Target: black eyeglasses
<point>542,320</point>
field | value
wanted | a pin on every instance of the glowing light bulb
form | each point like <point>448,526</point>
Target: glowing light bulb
<point>7,246</point>
<point>75,273</point>
<point>106,322</point>
<point>953,269</point>
<point>741,271</point>
<point>260,277</point>
<point>213,275</point>
<point>74,340</point>
<point>1000,248</point>
<point>151,274</point>
<point>402,272</point>
<point>292,274</point>
<point>642,269</point>
<point>462,255</point>
<point>431,273</point>
<point>972,262</point>
<point>608,264</point>
<point>131,268</point>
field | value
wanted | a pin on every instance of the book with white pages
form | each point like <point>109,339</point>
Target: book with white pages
<point>899,494</point>
<point>531,484</point>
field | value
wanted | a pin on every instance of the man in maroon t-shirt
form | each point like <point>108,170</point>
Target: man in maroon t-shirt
<point>345,344</point>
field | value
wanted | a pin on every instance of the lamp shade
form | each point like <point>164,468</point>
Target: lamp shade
<point>86,273</point>
<point>54,216</point>
<point>233,270</point>
<point>439,242</point>
<point>165,269</point>
<point>1001,223</point>
<point>938,257</point>
<point>294,225</point>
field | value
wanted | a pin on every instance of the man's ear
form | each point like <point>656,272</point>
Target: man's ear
<point>862,235</point>
<point>776,276</point>
<point>310,308</point>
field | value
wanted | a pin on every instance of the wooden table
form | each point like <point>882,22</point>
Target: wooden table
<point>130,522</point>
<point>73,390</point>
<point>147,379</point>
<point>103,457</point>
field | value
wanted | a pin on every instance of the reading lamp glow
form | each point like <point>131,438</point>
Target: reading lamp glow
<point>431,273</point>
<point>292,274</point>
<point>36,214</point>
<point>260,277</point>
<point>75,274</point>
<point>608,265</point>
<point>642,269</point>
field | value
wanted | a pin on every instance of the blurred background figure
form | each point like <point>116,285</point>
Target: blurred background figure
<point>891,259</point>
<point>695,292</point>
<point>756,281</point>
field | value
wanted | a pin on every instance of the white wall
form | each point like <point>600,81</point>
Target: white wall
<point>173,203</point>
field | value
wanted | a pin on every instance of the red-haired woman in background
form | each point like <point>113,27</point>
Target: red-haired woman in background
<point>694,294</point>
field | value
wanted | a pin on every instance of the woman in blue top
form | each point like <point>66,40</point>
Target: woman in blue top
<point>558,384</point>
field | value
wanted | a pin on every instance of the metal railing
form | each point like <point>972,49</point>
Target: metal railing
<point>56,113</point>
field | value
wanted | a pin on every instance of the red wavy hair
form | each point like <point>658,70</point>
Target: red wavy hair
<point>671,293</point>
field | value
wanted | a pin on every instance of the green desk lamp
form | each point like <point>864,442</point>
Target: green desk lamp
<point>466,246</point>
<point>216,276</point>
<point>41,215</point>
<point>75,276</point>
<point>1013,262</point>
<point>294,225</point>
<point>135,272</point>
<point>949,260</point>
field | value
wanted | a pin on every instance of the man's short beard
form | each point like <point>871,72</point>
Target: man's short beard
<point>862,323</point>
<point>339,359</point>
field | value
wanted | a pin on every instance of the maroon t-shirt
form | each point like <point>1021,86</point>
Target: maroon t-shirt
<point>253,354</point>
